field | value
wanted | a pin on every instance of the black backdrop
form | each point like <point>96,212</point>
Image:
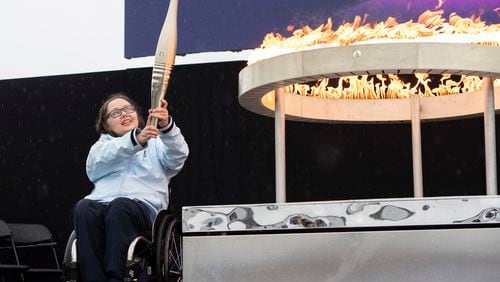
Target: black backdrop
<point>47,129</point>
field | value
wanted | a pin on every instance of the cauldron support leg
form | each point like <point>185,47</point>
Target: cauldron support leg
<point>490,154</point>
<point>416,138</point>
<point>279,137</point>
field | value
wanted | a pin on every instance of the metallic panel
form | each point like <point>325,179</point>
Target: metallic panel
<point>395,212</point>
<point>411,255</point>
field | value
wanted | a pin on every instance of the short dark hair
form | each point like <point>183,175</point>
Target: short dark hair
<point>100,125</point>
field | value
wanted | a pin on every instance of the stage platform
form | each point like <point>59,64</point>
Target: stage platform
<point>407,239</point>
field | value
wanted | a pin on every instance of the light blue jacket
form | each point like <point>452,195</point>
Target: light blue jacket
<point>121,167</point>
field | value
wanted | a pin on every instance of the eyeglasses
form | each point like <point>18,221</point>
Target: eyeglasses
<point>118,112</point>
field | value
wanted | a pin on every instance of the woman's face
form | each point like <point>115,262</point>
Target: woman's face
<point>121,117</point>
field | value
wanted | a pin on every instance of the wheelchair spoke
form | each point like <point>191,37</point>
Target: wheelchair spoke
<point>175,262</point>
<point>180,251</point>
<point>175,254</point>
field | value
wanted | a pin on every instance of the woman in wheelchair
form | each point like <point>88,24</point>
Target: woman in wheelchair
<point>131,169</point>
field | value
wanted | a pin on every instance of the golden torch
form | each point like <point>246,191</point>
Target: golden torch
<point>164,57</point>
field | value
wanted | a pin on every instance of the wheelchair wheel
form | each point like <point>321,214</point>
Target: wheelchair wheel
<point>168,251</point>
<point>173,252</point>
<point>70,265</point>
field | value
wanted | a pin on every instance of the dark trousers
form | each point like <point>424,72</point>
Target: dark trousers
<point>104,232</point>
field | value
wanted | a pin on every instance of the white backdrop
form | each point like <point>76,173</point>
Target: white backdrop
<point>53,37</point>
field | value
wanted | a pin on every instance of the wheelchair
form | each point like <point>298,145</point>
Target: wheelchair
<point>151,257</point>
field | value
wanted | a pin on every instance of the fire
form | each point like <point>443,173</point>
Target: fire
<point>430,26</point>
<point>440,4</point>
<point>387,87</point>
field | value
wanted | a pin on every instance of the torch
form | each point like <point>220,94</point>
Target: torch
<point>164,58</point>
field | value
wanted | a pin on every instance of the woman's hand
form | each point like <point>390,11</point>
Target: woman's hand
<point>161,113</point>
<point>147,132</point>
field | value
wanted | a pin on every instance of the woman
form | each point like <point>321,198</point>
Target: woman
<point>130,168</point>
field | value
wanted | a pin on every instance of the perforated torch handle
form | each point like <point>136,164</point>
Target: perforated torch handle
<point>157,96</point>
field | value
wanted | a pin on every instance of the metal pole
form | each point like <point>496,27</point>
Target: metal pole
<point>490,153</point>
<point>279,137</point>
<point>416,141</point>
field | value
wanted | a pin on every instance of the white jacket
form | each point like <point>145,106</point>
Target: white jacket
<point>121,167</point>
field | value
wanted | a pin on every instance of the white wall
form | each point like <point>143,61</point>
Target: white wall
<point>53,37</point>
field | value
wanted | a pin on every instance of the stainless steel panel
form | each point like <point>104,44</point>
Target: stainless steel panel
<point>478,210</point>
<point>414,255</point>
